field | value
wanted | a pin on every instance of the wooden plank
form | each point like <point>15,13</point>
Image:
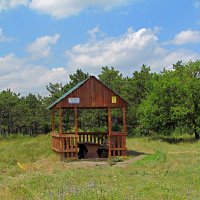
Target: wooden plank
<point>119,140</point>
<point>67,147</point>
<point>76,120</point>
<point>69,151</point>
<point>55,149</point>
<point>117,134</point>
<point>124,128</point>
<point>92,133</point>
<point>109,131</point>
<point>64,136</point>
<point>76,131</point>
<point>124,146</point>
<point>60,121</point>
<point>121,149</point>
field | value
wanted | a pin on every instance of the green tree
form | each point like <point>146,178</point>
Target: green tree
<point>136,89</point>
<point>112,78</point>
<point>9,111</point>
<point>77,77</point>
<point>173,101</point>
<point>36,118</point>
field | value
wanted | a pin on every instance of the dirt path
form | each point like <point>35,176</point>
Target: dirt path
<point>50,164</point>
<point>131,160</point>
<point>86,163</point>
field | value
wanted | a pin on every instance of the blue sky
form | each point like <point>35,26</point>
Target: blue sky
<point>44,41</point>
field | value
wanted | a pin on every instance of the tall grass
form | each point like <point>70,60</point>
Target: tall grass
<point>166,171</point>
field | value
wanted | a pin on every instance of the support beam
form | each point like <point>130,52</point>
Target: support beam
<point>124,130</point>
<point>76,130</point>
<point>60,121</point>
<point>53,121</point>
<point>76,120</point>
<point>109,131</point>
<point>60,134</point>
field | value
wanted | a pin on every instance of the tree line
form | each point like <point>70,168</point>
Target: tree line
<point>159,103</point>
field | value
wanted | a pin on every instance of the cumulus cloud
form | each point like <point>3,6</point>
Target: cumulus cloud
<point>186,37</point>
<point>41,47</point>
<point>20,76</point>
<point>127,52</point>
<point>9,4</point>
<point>129,49</point>
<point>65,8</point>
<point>168,58</point>
<point>62,8</point>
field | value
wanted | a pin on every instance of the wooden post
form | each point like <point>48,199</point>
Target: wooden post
<point>124,130</point>
<point>109,131</point>
<point>53,145</point>
<point>76,129</point>
<point>53,121</point>
<point>76,120</point>
<point>60,121</point>
<point>60,134</point>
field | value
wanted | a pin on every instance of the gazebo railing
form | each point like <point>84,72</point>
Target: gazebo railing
<point>118,144</point>
<point>67,143</point>
<point>94,137</point>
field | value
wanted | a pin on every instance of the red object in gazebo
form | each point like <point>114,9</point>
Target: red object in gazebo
<point>88,94</point>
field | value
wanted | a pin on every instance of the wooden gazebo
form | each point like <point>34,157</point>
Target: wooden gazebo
<point>88,94</point>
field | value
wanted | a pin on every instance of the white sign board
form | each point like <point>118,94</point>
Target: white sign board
<point>74,100</point>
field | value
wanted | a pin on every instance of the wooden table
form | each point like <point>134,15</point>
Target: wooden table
<point>91,149</point>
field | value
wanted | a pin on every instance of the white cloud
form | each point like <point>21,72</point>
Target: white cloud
<point>168,58</point>
<point>186,37</point>
<point>96,33</point>
<point>130,49</point>
<point>127,53</point>
<point>41,47</point>
<point>65,8</point>
<point>8,4</point>
<point>20,76</point>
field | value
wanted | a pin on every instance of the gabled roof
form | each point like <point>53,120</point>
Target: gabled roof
<point>67,93</point>
<point>76,87</point>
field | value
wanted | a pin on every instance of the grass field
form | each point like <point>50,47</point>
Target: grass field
<point>29,170</point>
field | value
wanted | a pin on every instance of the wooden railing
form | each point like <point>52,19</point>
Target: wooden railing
<point>118,144</point>
<point>95,137</point>
<point>67,143</point>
